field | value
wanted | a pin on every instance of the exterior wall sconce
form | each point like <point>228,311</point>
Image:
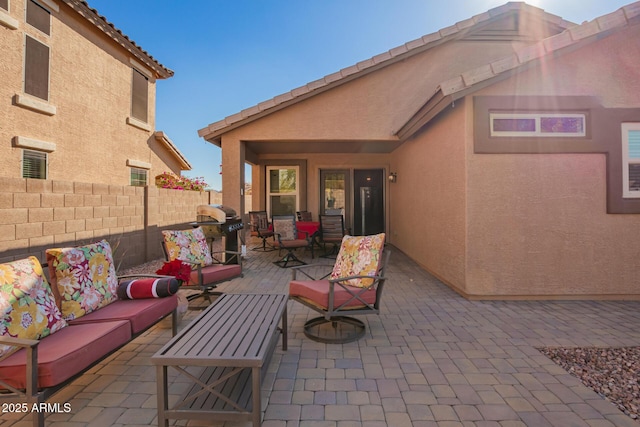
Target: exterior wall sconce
<point>393,177</point>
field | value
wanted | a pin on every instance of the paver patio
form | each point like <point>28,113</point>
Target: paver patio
<point>432,358</point>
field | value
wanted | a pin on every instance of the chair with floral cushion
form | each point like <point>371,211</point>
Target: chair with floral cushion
<point>208,268</point>
<point>352,288</point>
<point>288,237</point>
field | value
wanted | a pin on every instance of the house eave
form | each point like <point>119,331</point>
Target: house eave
<point>161,137</point>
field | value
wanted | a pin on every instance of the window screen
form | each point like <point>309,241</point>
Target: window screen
<point>36,69</point>
<point>139,177</point>
<point>633,159</point>
<point>39,17</point>
<point>139,97</point>
<point>34,164</point>
<point>4,4</point>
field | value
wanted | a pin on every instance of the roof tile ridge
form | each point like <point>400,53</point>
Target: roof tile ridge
<point>387,56</point>
<point>571,35</point>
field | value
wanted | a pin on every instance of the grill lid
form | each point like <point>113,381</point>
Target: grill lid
<point>216,212</point>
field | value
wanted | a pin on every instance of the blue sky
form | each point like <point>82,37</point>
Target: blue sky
<point>233,54</point>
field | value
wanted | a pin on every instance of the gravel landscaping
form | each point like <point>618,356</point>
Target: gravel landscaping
<point>611,372</point>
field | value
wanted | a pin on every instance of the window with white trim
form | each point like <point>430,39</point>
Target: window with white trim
<point>282,190</point>
<point>631,160</point>
<point>34,164</point>
<point>139,177</point>
<point>537,124</point>
<point>4,4</point>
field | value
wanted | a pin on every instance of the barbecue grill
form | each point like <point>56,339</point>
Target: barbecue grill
<point>220,221</point>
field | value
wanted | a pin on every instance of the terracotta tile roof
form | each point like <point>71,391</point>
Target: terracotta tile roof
<point>214,130</point>
<point>459,86</point>
<point>92,15</point>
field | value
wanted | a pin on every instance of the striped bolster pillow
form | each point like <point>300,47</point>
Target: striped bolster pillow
<point>148,288</point>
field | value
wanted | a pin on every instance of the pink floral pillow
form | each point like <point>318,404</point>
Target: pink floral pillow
<point>27,306</point>
<point>188,245</point>
<point>83,278</point>
<point>359,256</point>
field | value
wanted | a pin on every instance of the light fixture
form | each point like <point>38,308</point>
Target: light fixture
<point>393,177</point>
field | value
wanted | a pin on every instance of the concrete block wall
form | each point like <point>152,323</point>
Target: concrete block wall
<point>39,214</point>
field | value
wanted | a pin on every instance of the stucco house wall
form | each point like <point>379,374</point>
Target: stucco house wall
<point>90,90</point>
<point>538,223</point>
<point>428,203</point>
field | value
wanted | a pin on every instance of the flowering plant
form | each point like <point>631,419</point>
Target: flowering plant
<point>177,269</point>
<point>175,182</point>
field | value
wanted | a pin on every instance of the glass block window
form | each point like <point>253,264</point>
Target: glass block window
<point>631,160</point>
<point>139,177</point>
<point>537,124</point>
<point>34,164</point>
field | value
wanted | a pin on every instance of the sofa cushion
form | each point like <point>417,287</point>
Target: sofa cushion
<point>67,352</point>
<point>140,313</point>
<point>83,278</point>
<point>359,256</point>
<point>317,292</point>
<point>216,273</point>
<point>148,288</point>
<point>187,245</point>
<point>27,305</point>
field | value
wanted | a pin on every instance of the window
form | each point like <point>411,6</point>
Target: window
<point>538,124</point>
<point>139,96</point>
<point>139,177</point>
<point>38,17</point>
<point>36,69</point>
<point>282,194</point>
<point>34,164</point>
<point>631,160</point>
<point>4,4</point>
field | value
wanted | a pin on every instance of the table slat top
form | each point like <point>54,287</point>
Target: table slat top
<point>234,331</point>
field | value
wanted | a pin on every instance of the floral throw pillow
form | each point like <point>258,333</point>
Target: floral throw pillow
<point>188,245</point>
<point>27,307</point>
<point>359,256</point>
<point>83,278</point>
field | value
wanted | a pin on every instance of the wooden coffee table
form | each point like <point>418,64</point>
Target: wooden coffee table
<point>225,351</point>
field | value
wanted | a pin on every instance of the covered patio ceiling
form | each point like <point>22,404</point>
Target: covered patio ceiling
<point>322,147</point>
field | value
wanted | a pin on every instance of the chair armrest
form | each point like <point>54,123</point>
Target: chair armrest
<point>156,276</point>
<point>31,363</point>
<point>18,342</point>
<point>233,254</point>
<point>301,268</point>
<point>343,279</point>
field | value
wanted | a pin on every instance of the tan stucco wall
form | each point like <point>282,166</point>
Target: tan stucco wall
<point>537,223</point>
<point>90,86</point>
<point>370,108</point>
<point>428,201</point>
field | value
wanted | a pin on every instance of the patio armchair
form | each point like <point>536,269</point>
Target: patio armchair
<point>260,228</point>
<point>331,232</point>
<point>209,269</point>
<point>288,237</point>
<point>353,288</point>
